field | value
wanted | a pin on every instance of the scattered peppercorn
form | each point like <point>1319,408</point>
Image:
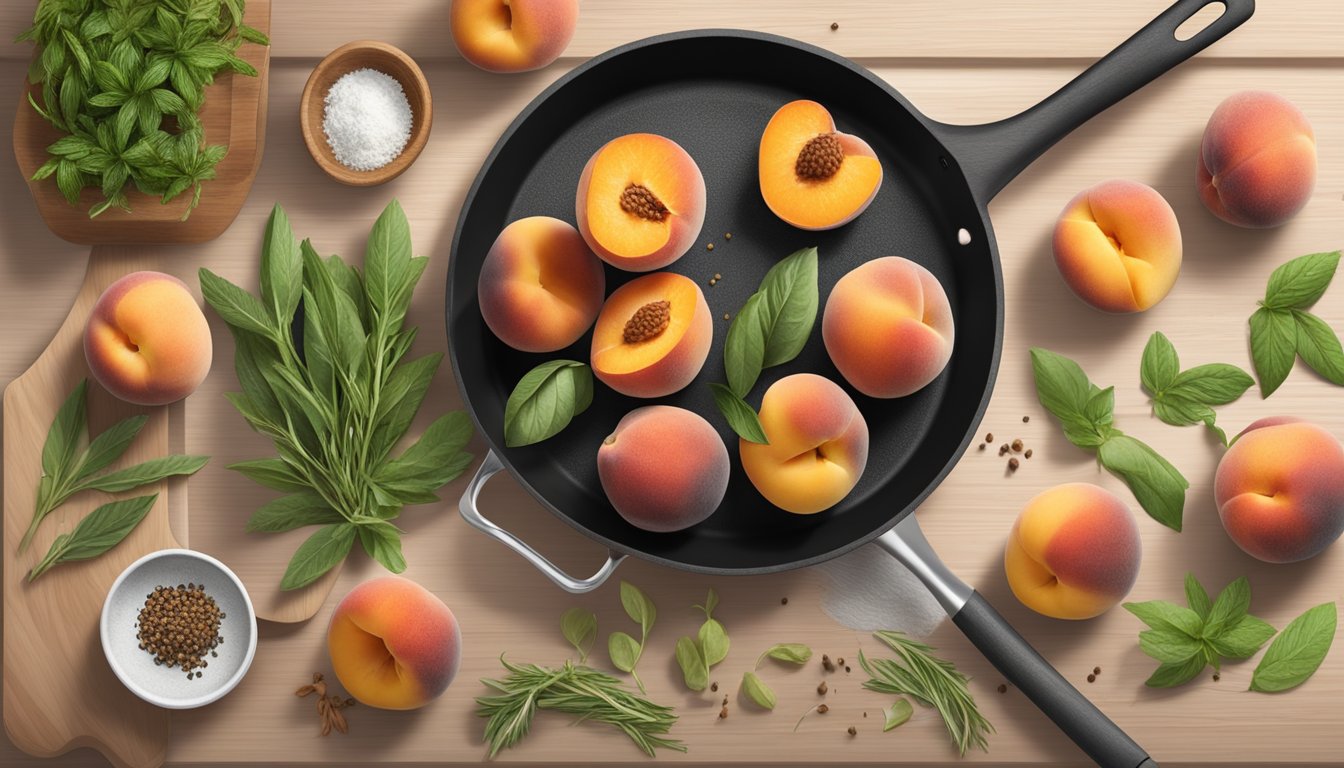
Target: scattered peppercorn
<point>1091,678</point>
<point>840,660</point>
<point>835,25</point>
<point>1003,449</point>
<point>1026,419</point>
<point>1003,687</point>
<point>178,625</point>
<point>717,276</point>
<point>989,437</point>
<point>1017,445</point>
<point>714,686</point>
<point>783,601</point>
<point>1216,677</point>
<point>723,713</point>
<point>1013,464</point>
<point>853,731</point>
<point>821,689</point>
<point>725,315</point>
<point>822,709</point>
<point>709,246</point>
<point>982,446</point>
<point>727,235</point>
<point>1096,670</point>
<point>846,669</point>
<point>827,664</point>
<point>1027,455</point>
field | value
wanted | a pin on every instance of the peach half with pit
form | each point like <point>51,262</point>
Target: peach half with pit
<point>663,468</point>
<point>888,327</point>
<point>640,202</point>
<point>818,445</point>
<point>540,287</point>
<point>811,175</point>
<point>652,336</point>
<point>512,35</point>
<point>147,341</point>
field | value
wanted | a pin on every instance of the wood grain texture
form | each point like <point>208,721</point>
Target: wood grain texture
<point>233,114</point>
<point>504,606</point>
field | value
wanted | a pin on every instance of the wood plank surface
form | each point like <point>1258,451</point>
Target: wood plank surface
<point>504,606</point>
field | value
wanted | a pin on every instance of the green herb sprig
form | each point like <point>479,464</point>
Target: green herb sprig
<point>1087,414</point>
<point>103,529</point>
<point>770,329</point>
<point>337,407</point>
<point>71,462</point>
<point>1182,398</point>
<point>624,649</point>
<point>1298,651</point>
<point>546,400</point>
<point>932,681</point>
<point>113,73</point>
<point>589,695</point>
<point>756,689</point>
<point>1282,329</point>
<point>696,656</point>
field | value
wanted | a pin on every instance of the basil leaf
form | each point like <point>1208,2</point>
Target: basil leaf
<point>296,510</point>
<point>1212,384</point>
<point>545,400</point>
<point>713,641</point>
<point>897,714</point>
<point>237,307</point>
<point>108,446</point>
<point>1100,407</point>
<point>1180,411</point>
<point>63,437</point>
<point>281,267</point>
<point>740,416</point>
<point>793,653</point>
<point>1169,646</point>
<point>758,691</point>
<point>579,626</point>
<point>1196,597</point>
<point>386,258</point>
<point>1061,385</point>
<point>1297,652</point>
<point>1299,283</point>
<point>711,602</point>
<point>638,606</point>
<point>1159,614</point>
<point>744,347</point>
<point>144,473</point>
<point>1319,346</point>
<point>694,668</point>
<point>323,551</point>
<point>1180,673</point>
<point>624,651</point>
<point>101,530</point>
<point>1232,604</point>
<point>1159,364</point>
<point>1273,347</point>
<point>382,542</point>
<point>432,461</point>
<point>791,299</point>
<point>1157,485</point>
<point>1243,639</point>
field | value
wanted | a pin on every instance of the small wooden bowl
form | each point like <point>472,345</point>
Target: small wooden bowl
<point>348,58</point>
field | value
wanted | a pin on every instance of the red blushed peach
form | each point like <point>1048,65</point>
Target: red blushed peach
<point>512,35</point>
<point>1073,553</point>
<point>147,341</point>
<point>1280,490</point>
<point>811,175</point>
<point>540,287</point>
<point>394,644</point>
<point>818,445</point>
<point>1118,246</point>
<point>640,202</point>
<point>888,327</point>
<point>663,468</point>
<point>652,336</point>
<point>1257,161</point>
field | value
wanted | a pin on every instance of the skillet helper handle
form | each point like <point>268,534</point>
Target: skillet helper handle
<point>1078,718</point>
<point>992,155</point>
<point>491,466</point>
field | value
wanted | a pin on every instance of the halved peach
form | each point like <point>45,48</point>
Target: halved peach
<point>813,176</point>
<point>641,202</point>
<point>652,336</point>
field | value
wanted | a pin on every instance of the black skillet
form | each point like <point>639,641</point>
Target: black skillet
<point>712,91</point>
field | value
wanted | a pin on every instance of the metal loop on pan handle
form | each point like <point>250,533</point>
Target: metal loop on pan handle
<point>491,466</point>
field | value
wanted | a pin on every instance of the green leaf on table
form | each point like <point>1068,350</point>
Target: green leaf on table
<point>108,446</point>
<point>638,606</point>
<point>1273,347</point>
<point>144,473</point>
<point>386,258</point>
<point>1181,398</point>
<point>757,691</point>
<point>897,714</point>
<point>1282,329</point>
<point>1300,283</point>
<point>101,530</point>
<point>1061,385</point>
<point>1243,639</point>
<point>579,626</point>
<point>1157,485</point>
<point>281,268</point>
<point>1169,646</point>
<point>1160,614</point>
<point>694,667</point>
<point>295,510</point>
<point>382,542</point>
<point>1319,347</point>
<point>1160,364</point>
<point>322,551</point>
<point>1197,597</point>
<point>65,433</point>
<point>1231,605</point>
<point>792,653</point>
<point>1297,652</point>
<point>545,400</point>
<point>239,308</point>
<point>624,651</point>
<point>272,473</point>
<point>741,417</point>
<point>1179,673</point>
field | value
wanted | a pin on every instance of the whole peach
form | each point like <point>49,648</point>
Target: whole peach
<point>1280,490</point>
<point>1073,552</point>
<point>663,468</point>
<point>512,35</point>
<point>394,644</point>
<point>1257,160</point>
<point>147,341</point>
<point>1118,246</point>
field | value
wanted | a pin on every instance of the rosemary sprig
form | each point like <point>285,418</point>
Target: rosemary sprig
<point>573,689</point>
<point>932,681</point>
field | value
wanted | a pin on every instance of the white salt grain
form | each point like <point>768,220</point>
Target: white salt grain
<point>367,119</point>
<point>868,589</point>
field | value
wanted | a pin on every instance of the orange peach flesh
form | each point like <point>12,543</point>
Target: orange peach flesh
<point>665,362</point>
<point>814,203</point>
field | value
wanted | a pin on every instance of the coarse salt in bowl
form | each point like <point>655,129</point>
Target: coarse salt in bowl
<point>366,119</point>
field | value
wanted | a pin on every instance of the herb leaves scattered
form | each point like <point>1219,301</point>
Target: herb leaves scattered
<point>579,626</point>
<point>337,403</point>
<point>71,462</point>
<point>1181,398</point>
<point>545,400</point>
<point>1298,651</point>
<point>1282,329</point>
<point>1087,415</point>
<point>932,681</point>
<point>710,646</point>
<point>101,530</point>
<point>625,650</point>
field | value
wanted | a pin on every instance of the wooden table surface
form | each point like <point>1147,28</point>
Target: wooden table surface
<point>958,60</point>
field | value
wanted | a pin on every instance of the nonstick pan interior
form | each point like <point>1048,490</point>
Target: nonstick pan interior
<point>713,92</point>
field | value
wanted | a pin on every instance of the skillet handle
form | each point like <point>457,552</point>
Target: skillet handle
<point>991,155</point>
<point>491,466</point>
<point>1078,718</point>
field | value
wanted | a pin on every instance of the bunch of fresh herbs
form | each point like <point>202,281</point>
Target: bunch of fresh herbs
<point>1282,329</point>
<point>1181,398</point>
<point>116,76</point>
<point>1087,414</point>
<point>336,405</point>
<point>935,682</point>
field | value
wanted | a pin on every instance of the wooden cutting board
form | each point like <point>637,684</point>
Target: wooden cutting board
<point>59,692</point>
<point>234,114</point>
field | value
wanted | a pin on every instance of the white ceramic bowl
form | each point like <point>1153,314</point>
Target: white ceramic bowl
<point>160,685</point>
